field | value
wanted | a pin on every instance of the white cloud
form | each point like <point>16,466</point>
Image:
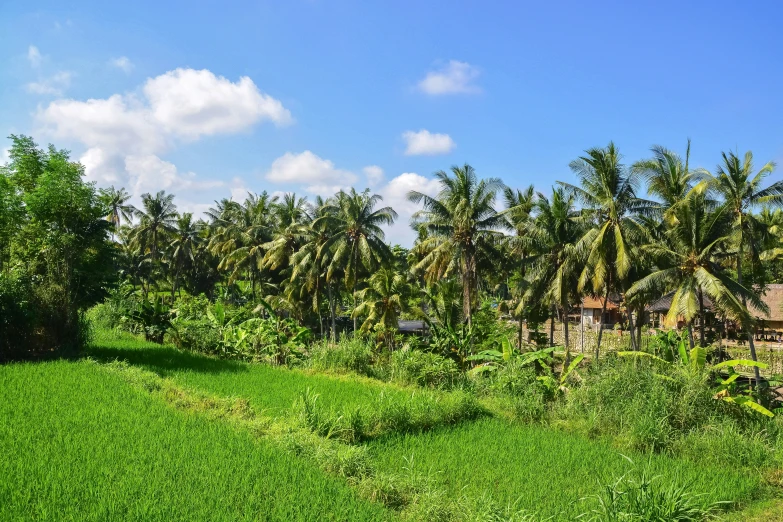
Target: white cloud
<point>374,174</point>
<point>308,168</point>
<point>193,103</point>
<point>454,78</point>
<point>149,173</point>
<point>125,134</point>
<point>34,56</point>
<point>426,143</point>
<point>395,195</point>
<point>122,63</point>
<point>54,85</point>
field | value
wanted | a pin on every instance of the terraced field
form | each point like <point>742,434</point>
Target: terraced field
<point>84,443</point>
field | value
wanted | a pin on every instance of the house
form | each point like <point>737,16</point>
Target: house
<point>658,310</point>
<point>591,311</point>
<point>773,298</point>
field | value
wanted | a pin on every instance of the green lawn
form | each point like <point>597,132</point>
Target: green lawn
<point>78,443</point>
<point>539,469</point>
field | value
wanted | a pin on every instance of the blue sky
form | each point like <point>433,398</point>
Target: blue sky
<point>151,95</point>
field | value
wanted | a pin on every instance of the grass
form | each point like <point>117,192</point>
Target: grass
<point>79,443</point>
<point>327,402</point>
<point>540,470</point>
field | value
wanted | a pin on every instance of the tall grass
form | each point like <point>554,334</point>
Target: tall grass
<point>80,444</point>
<point>540,470</point>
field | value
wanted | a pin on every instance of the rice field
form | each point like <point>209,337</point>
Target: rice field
<point>80,444</point>
<point>274,391</point>
<point>540,470</point>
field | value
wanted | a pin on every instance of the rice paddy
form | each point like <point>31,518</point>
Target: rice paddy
<point>82,443</point>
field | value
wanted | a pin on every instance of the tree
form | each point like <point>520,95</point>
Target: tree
<point>519,205</point>
<point>356,238</point>
<point>462,225</point>
<point>553,235</point>
<point>186,238</point>
<point>115,200</point>
<point>385,297</point>
<point>688,263</point>
<point>157,219</point>
<point>741,192</point>
<point>608,194</point>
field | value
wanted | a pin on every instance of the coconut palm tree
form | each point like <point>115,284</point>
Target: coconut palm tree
<point>356,239</point>
<point>668,176</point>
<point>607,192</point>
<point>184,246</point>
<point>688,262</point>
<point>116,201</point>
<point>157,220</point>
<point>462,226</point>
<point>741,191</point>
<point>553,234</point>
<point>519,205</point>
<point>292,217</point>
<point>385,297</point>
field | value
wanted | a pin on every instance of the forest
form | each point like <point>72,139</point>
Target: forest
<point>289,329</point>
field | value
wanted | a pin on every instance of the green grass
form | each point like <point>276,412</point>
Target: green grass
<point>377,408</point>
<point>538,469</point>
<point>78,443</point>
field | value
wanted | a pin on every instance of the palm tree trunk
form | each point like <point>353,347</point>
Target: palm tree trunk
<point>702,340</point>
<point>639,327</point>
<point>634,345</point>
<point>690,333</point>
<point>331,311</point>
<point>519,340</point>
<point>353,290</point>
<point>601,324</point>
<point>566,338</point>
<point>552,326</point>
<point>752,346</point>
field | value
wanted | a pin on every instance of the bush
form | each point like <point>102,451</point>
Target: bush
<point>409,366</point>
<point>349,354</point>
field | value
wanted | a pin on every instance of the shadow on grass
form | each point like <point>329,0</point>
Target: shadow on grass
<point>160,359</point>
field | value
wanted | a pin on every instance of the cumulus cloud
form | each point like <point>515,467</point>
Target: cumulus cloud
<point>54,85</point>
<point>307,168</point>
<point>122,63</point>
<point>34,56</point>
<point>424,142</point>
<point>374,174</point>
<point>193,103</point>
<point>395,195</point>
<point>125,134</point>
<point>454,78</point>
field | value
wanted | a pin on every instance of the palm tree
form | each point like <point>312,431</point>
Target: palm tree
<point>157,220</point>
<point>356,239</point>
<point>519,205</point>
<point>385,297</point>
<point>688,262</point>
<point>292,216</point>
<point>241,232</point>
<point>741,191</point>
<point>608,195</point>
<point>462,226</point>
<point>553,234</point>
<point>116,201</point>
<point>668,176</point>
<point>184,245</point>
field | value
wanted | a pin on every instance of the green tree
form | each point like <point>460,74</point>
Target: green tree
<point>462,226</point>
<point>607,192</point>
<point>382,302</point>
<point>741,191</point>
<point>116,201</point>
<point>356,239</point>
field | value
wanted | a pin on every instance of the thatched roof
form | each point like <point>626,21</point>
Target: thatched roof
<point>663,304</point>
<point>773,298</point>
<point>598,302</point>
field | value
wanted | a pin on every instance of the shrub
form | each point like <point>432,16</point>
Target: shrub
<point>409,366</point>
<point>349,354</point>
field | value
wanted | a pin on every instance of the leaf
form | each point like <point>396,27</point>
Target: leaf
<point>508,350</point>
<point>483,369</point>
<point>730,379</point>
<point>571,367</point>
<point>683,352</point>
<point>698,358</point>
<point>747,402</point>
<point>642,354</point>
<point>741,362</point>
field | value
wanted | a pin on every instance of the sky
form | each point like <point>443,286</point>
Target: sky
<point>210,100</point>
